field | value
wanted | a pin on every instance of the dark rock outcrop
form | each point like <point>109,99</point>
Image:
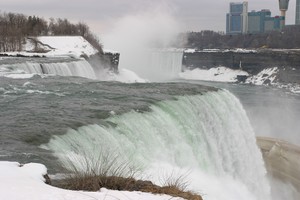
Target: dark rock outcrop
<point>253,62</point>
<point>107,60</point>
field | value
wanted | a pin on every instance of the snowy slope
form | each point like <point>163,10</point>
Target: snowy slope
<point>59,46</point>
<point>63,45</point>
<point>26,183</point>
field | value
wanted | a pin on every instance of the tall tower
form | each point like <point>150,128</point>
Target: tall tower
<point>298,12</point>
<point>237,18</point>
<point>283,7</point>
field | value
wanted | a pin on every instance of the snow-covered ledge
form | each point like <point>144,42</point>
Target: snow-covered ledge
<point>26,182</point>
<point>56,46</point>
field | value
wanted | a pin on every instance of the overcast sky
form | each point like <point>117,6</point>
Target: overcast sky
<point>100,15</point>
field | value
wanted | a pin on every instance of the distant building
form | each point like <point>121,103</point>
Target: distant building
<point>239,21</point>
<point>237,18</point>
<point>274,23</point>
<point>256,21</point>
<point>297,12</point>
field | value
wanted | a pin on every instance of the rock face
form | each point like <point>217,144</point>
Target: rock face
<point>282,160</point>
<point>107,60</point>
<point>287,61</point>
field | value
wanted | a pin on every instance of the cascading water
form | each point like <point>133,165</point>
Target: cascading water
<point>154,64</point>
<point>75,68</point>
<point>207,134</point>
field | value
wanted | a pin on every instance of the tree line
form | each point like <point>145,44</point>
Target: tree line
<point>14,28</point>
<point>288,38</point>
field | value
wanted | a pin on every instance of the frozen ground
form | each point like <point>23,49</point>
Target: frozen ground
<point>218,74</point>
<point>222,74</point>
<point>51,46</point>
<point>27,183</point>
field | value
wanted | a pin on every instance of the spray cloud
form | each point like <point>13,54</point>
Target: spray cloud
<point>133,36</point>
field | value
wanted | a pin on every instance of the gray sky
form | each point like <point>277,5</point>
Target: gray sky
<point>100,15</point>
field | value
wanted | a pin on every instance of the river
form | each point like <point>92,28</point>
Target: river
<point>208,134</point>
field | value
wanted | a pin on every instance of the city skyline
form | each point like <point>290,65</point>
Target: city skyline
<point>101,15</point>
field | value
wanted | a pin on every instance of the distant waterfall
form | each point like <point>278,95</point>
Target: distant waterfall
<point>166,63</point>
<point>208,133</point>
<point>75,68</point>
<point>154,64</point>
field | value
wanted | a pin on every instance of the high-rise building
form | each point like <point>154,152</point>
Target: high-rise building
<point>237,18</point>
<point>256,21</point>
<point>261,21</point>
<point>298,12</point>
<point>239,21</point>
<point>283,7</point>
<point>274,23</point>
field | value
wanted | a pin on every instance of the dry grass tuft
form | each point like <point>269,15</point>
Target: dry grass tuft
<point>95,183</point>
<point>108,170</point>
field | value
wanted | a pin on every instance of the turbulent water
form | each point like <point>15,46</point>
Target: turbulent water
<point>209,132</point>
<point>161,129</point>
<point>62,67</point>
<point>273,112</point>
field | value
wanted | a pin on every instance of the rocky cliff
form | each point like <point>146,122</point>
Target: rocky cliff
<point>252,61</point>
<point>282,161</point>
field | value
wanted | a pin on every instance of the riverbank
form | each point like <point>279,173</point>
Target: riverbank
<point>282,160</point>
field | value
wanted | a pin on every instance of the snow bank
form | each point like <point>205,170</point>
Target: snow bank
<point>75,45</point>
<point>219,74</point>
<point>266,76</point>
<point>27,183</point>
<point>269,77</point>
<point>56,46</point>
<point>238,50</point>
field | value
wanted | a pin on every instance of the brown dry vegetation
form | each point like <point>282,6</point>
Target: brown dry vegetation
<point>94,183</point>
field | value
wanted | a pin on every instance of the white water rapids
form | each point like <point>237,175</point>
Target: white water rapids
<point>76,68</point>
<point>208,137</point>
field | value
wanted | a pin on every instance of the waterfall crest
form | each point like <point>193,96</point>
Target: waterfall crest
<point>210,133</point>
<point>75,68</point>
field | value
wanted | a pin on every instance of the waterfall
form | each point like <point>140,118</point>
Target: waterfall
<point>207,134</point>
<point>154,64</point>
<point>75,68</point>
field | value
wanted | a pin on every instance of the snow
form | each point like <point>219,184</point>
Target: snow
<point>57,46</point>
<point>75,45</point>
<point>263,76</point>
<point>218,74</point>
<point>238,50</point>
<point>110,51</point>
<point>27,183</point>
<point>190,50</point>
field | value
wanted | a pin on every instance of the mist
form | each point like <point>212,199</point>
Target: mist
<point>274,113</point>
<point>136,36</point>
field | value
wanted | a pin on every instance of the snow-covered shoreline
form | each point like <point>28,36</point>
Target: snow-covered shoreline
<point>26,182</point>
<point>267,77</point>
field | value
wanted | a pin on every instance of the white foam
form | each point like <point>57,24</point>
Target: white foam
<point>210,135</point>
<point>19,76</point>
<point>123,75</point>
